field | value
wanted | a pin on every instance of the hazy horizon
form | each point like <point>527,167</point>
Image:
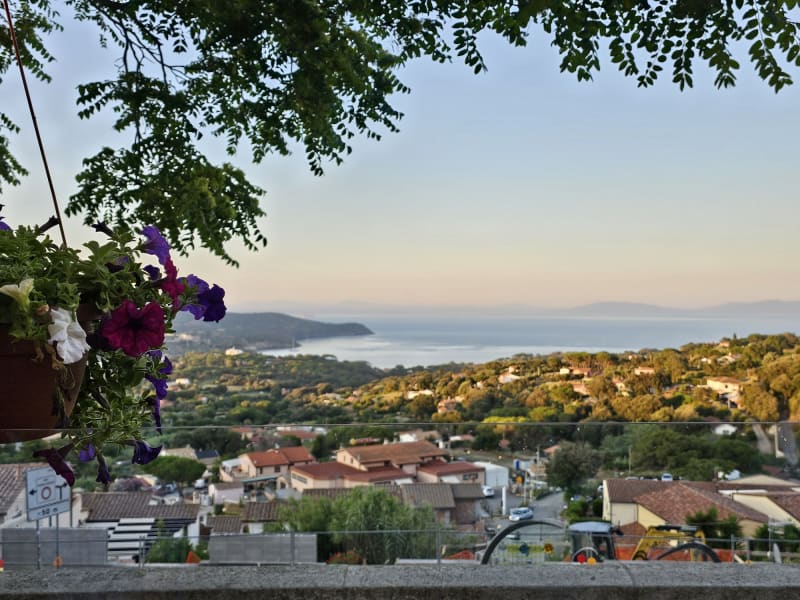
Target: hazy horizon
<point>516,187</point>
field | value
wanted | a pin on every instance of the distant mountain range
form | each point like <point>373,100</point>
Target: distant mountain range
<point>254,331</point>
<point>765,308</point>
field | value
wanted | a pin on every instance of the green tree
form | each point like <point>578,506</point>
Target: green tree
<point>760,403</point>
<point>571,465</point>
<point>369,520</point>
<point>175,468</point>
<point>169,550</point>
<point>266,75</point>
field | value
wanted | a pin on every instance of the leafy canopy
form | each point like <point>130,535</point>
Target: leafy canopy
<point>273,75</point>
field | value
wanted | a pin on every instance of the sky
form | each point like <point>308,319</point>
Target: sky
<point>515,187</point>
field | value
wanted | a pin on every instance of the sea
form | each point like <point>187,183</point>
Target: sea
<point>427,340</point>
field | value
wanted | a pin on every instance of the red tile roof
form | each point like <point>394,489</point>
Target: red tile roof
<point>467,491</point>
<point>377,475</point>
<point>625,490</point>
<point>439,467</point>
<point>326,471</point>
<point>398,454</point>
<point>280,457</point>
<point>437,495</point>
<point>675,502</point>
<point>788,501</point>
<point>12,482</point>
<point>260,512</point>
<point>224,524</point>
<point>112,506</point>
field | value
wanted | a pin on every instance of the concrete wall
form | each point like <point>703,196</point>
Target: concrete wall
<point>278,548</point>
<point>76,547</point>
<point>560,581</point>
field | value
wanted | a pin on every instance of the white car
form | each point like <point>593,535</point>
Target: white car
<point>488,491</point>
<point>520,514</point>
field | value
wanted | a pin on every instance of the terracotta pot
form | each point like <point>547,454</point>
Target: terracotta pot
<point>30,407</point>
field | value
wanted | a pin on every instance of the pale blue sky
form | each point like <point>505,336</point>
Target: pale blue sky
<point>518,186</point>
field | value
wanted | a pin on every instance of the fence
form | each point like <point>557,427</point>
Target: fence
<point>90,547</point>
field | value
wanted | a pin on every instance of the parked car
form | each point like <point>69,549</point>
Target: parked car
<point>666,477</point>
<point>488,491</point>
<point>520,514</point>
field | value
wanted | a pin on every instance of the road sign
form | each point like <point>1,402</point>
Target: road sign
<point>47,494</point>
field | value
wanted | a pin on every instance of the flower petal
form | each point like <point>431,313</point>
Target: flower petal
<point>55,458</point>
<point>144,453</point>
<point>156,244</point>
<point>68,336</point>
<point>19,292</point>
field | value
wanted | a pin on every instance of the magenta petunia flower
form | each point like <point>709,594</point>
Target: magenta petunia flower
<point>135,330</point>
<point>172,285</point>
<point>155,243</point>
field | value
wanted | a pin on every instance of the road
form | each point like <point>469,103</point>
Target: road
<point>547,508</point>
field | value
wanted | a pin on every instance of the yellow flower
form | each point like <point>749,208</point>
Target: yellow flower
<point>19,292</point>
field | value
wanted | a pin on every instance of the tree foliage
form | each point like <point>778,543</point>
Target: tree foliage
<point>368,520</point>
<point>175,468</point>
<point>277,75</point>
<point>572,465</point>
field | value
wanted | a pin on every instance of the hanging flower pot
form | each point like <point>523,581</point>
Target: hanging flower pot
<point>39,389</point>
<point>38,398</point>
<point>82,338</point>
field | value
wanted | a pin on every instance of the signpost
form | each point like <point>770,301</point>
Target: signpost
<point>47,495</point>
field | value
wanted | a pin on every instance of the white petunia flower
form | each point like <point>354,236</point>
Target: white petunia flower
<point>68,335</point>
<point>19,292</point>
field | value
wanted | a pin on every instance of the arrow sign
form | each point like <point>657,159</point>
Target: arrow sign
<point>46,494</point>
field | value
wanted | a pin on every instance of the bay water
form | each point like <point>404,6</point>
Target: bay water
<point>433,340</point>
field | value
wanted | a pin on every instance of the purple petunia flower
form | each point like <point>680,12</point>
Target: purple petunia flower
<point>55,458</point>
<point>155,243</point>
<point>87,454</point>
<point>144,453</point>
<point>152,271</point>
<point>196,286</point>
<point>160,385</point>
<point>103,476</point>
<point>4,226</point>
<point>212,300</point>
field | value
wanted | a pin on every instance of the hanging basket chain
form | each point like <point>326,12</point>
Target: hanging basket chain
<point>13,36</point>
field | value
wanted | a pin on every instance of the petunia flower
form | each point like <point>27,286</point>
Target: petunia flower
<point>135,330</point>
<point>172,285</point>
<point>212,300</point>
<point>160,385</point>
<point>55,458</point>
<point>87,454</point>
<point>103,476</point>
<point>68,336</point>
<point>144,453</point>
<point>152,271</point>
<point>20,293</point>
<point>4,226</point>
<point>197,287</point>
<point>156,244</point>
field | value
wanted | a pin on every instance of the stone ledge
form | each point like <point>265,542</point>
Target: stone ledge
<point>614,581</point>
